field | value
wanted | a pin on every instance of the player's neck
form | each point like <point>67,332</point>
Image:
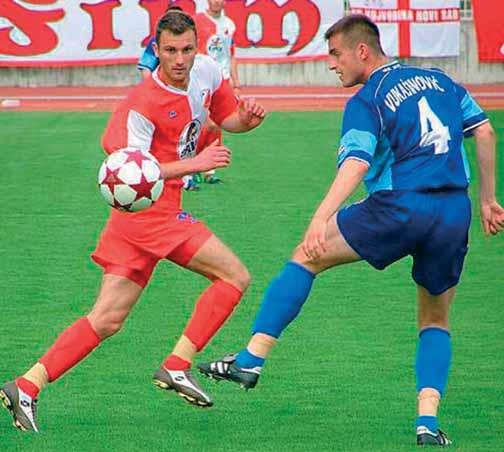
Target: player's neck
<point>215,15</point>
<point>182,85</point>
<point>379,62</point>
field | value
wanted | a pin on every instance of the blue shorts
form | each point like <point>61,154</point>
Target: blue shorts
<point>432,227</point>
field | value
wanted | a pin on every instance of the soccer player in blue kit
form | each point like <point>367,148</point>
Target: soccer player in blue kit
<point>402,135</point>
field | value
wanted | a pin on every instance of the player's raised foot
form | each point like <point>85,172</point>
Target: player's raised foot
<point>191,185</point>
<point>22,407</point>
<point>427,438</point>
<point>184,384</point>
<point>228,369</point>
<point>212,179</point>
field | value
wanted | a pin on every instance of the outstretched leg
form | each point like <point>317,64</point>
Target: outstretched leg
<point>117,297</point>
<point>282,302</point>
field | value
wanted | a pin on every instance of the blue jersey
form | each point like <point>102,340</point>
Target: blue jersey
<point>148,60</point>
<point>408,124</point>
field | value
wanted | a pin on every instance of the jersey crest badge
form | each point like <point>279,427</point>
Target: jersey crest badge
<point>205,94</point>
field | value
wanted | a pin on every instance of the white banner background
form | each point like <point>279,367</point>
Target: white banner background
<point>131,26</point>
<point>428,37</point>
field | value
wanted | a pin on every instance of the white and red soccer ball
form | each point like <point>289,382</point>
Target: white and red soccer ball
<point>130,180</point>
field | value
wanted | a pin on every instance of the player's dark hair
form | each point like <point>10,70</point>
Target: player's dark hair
<point>176,22</point>
<point>357,28</point>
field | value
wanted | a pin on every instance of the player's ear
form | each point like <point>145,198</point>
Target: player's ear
<point>156,49</point>
<point>363,51</point>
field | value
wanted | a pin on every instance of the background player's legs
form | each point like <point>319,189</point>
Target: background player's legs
<point>433,353</point>
<point>214,133</point>
<point>190,183</point>
<point>287,293</point>
<point>210,132</point>
<point>230,279</point>
<point>116,298</point>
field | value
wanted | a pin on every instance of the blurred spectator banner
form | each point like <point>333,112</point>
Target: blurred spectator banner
<point>415,28</point>
<point>101,32</point>
<point>489,23</point>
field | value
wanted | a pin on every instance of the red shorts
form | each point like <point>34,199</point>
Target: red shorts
<point>131,245</point>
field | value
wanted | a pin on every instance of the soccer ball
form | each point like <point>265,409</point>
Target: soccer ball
<point>130,180</point>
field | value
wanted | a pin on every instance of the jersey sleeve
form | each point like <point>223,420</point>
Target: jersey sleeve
<point>360,131</point>
<point>472,114</point>
<point>148,59</point>
<point>129,126</point>
<point>223,101</point>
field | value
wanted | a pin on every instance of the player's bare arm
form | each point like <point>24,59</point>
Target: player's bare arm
<point>492,213</point>
<point>348,178</point>
<point>248,116</point>
<point>213,156</point>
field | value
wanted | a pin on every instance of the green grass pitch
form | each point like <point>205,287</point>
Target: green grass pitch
<point>341,378</point>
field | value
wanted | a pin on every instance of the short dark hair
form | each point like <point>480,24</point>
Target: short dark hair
<point>357,28</point>
<point>176,22</point>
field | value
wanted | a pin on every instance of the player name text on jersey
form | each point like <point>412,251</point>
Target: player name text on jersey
<point>409,87</point>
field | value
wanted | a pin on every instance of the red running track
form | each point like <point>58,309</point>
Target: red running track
<point>274,98</point>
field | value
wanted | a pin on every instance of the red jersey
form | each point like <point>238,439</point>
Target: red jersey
<point>167,122</point>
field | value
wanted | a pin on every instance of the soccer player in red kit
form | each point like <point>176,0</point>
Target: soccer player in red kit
<point>216,39</point>
<point>162,115</point>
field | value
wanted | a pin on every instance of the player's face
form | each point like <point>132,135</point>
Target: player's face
<point>216,6</point>
<point>176,57</point>
<point>346,61</point>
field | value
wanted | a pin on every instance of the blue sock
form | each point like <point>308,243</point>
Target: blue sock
<point>248,360</point>
<point>432,367</point>
<point>433,359</point>
<point>428,421</point>
<point>283,299</point>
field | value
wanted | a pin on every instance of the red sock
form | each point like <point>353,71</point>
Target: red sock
<point>174,362</point>
<point>72,346</point>
<point>212,309</point>
<point>28,387</point>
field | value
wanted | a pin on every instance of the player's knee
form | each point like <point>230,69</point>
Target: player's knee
<point>434,322</point>
<point>241,278</point>
<point>109,327</point>
<point>434,318</point>
<point>299,257</point>
<point>106,324</point>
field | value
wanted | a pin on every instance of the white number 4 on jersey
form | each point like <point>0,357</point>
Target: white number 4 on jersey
<point>432,130</point>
